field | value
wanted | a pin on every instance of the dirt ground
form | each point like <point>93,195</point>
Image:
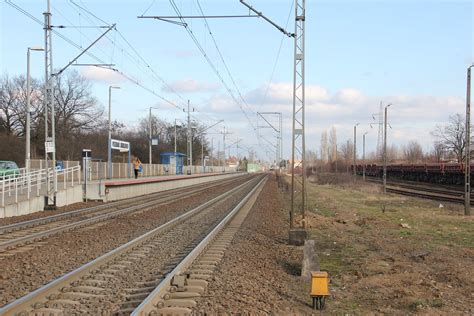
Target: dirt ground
<point>259,273</point>
<point>392,254</point>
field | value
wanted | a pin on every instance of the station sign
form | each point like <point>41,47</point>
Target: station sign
<point>49,147</point>
<point>120,145</point>
<point>154,141</point>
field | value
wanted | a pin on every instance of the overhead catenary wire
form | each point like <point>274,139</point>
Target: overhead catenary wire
<point>93,56</point>
<point>96,58</point>
<point>222,57</point>
<point>138,55</point>
<point>283,37</point>
<point>209,61</point>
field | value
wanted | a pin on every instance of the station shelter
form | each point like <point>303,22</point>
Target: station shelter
<point>174,158</point>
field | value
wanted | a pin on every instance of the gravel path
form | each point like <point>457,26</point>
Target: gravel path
<point>26,271</point>
<point>260,272</point>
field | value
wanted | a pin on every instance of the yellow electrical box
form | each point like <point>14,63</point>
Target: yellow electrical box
<point>319,283</point>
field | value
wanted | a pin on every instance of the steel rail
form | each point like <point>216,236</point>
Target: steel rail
<point>428,195</point>
<point>150,302</point>
<point>84,211</point>
<point>25,303</point>
<point>6,245</point>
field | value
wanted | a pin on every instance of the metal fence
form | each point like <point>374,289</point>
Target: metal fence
<point>34,182</point>
<point>21,184</point>
<point>98,169</point>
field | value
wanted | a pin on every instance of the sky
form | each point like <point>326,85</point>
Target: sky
<point>413,54</point>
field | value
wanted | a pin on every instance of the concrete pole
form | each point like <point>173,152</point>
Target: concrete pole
<point>347,158</point>
<point>385,150</point>
<point>363,156</point>
<point>149,139</point>
<point>355,151</point>
<point>109,150</point>
<point>212,149</point>
<point>190,142</point>
<point>223,146</point>
<point>28,113</point>
<point>467,173</point>
<point>202,153</point>
<point>336,159</point>
<point>175,148</point>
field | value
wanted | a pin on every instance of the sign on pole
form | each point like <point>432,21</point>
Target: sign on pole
<point>120,145</point>
<point>50,148</point>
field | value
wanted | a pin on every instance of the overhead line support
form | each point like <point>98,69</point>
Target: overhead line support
<point>260,14</point>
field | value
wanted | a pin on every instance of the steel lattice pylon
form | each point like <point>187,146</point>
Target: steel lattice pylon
<point>298,184</point>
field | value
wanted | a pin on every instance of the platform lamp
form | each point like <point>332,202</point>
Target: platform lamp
<point>109,151</point>
<point>28,110</point>
<point>467,173</point>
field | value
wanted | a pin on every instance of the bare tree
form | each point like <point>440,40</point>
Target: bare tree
<point>452,135</point>
<point>77,112</point>
<point>393,153</point>
<point>8,102</point>
<point>347,151</point>
<point>324,147</point>
<point>413,152</point>
<point>438,151</point>
<point>311,157</point>
<point>332,143</point>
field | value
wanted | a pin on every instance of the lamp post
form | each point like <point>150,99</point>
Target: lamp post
<point>363,156</point>
<point>385,150</point>
<point>28,111</point>
<point>109,151</point>
<point>467,173</point>
<point>355,150</point>
<point>150,139</point>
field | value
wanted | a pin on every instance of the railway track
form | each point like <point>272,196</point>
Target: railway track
<point>24,233</point>
<point>159,272</point>
<point>449,194</point>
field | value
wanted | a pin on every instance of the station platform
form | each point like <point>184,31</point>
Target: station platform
<point>142,180</point>
<point>117,189</point>
<point>19,202</point>
<point>101,190</point>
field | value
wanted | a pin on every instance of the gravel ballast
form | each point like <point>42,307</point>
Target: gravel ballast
<point>260,271</point>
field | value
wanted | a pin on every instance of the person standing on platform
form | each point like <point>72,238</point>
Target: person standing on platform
<point>137,165</point>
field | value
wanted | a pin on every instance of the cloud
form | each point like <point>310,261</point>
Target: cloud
<point>102,75</point>
<point>283,93</point>
<point>190,86</point>
<point>412,117</point>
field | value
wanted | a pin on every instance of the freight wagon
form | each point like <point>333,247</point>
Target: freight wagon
<point>447,173</point>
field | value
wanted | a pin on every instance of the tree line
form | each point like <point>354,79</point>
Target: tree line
<point>449,146</point>
<point>81,122</point>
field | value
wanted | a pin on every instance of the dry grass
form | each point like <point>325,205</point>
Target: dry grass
<point>379,266</point>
